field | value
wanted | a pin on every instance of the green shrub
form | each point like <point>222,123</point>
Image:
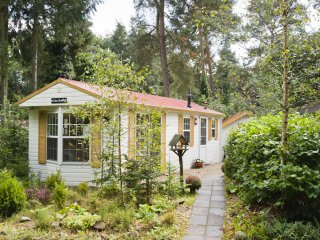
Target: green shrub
<point>253,160</point>
<point>77,218</point>
<point>60,194</point>
<point>118,218</point>
<point>109,189</point>
<point>83,188</point>
<point>168,218</point>
<point>194,183</point>
<point>43,218</point>
<point>140,177</point>
<point>53,179</point>
<point>171,187</point>
<point>12,194</point>
<point>282,230</point>
<point>147,212</point>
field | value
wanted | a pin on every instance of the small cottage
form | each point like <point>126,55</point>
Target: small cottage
<point>53,147</point>
<point>230,123</point>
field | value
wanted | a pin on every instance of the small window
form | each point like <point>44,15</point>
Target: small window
<point>52,136</point>
<point>213,128</point>
<point>186,129</point>
<point>75,143</point>
<point>203,133</point>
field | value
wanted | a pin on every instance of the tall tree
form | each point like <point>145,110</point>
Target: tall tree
<point>284,8</point>
<point>50,20</point>
<point>4,16</point>
<point>159,7</point>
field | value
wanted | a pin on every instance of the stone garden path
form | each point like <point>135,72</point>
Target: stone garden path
<point>207,215</point>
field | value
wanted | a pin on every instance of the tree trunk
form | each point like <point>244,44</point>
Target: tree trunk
<point>162,46</point>
<point>181,169</point>
<point>35,47</point>
<point>4,15</point>
<point>285,84</point>
<point>202,52</point>
<point>209,63</point>
<point>120,155</point>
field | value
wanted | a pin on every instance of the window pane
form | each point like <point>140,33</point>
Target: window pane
<point>186,135</point>
<point>52,149</point>
<point>75,150</point>
<point>203,136</point>
<point>186,123</point>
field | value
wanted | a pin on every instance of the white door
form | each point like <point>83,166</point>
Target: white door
<point>203,139</point>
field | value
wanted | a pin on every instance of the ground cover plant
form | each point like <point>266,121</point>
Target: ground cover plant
<point>263,224</point>
<point>98,213</point>
<point>276,200</point>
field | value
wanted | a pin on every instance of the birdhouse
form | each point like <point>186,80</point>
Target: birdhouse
<point>178,142</point>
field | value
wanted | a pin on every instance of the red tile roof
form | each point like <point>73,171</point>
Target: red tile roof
<point>133,97</point>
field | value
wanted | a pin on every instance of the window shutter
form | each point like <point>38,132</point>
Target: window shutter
<point>180,124</point>
<point>191,131</point>
<point>95,158</point>
<point>42,137</point>
<point>163,142</point>
<point>131,134</point>
<point>217,129</point>
<point>209,129</point>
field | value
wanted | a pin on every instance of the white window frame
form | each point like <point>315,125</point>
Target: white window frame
<point>213,128</point>
<point>206,132</point>
<point>52,136</point>
<point>84,136</point>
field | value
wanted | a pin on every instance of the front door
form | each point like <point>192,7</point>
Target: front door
<point>203,139</point>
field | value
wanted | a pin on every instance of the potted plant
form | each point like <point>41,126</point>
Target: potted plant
<point>193,183</point>
<point>198,163</point>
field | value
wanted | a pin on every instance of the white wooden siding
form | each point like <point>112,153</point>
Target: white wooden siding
<point>226,131</point>
<point>59,90</point>
<point>212,150</point>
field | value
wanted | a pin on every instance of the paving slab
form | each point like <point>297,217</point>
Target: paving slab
<point>217,211</point>
<point>200,211</point>
<point>213,231</point>
<point>197,230</point>
<point>215,220</point>
<point>218,198</point>
<point>217,204</point>
<point>218,187</point>
<point>201,203</point>
<point>198,219</point>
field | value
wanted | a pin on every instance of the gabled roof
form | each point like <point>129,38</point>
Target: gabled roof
<point>228,121</point>
<point>133,97</point>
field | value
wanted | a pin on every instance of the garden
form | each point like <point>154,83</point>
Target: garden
<point>50,210</point>
<point>268,199</point>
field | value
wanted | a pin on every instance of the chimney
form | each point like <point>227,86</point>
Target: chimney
<point>189,96</point>
<point>63,75</point>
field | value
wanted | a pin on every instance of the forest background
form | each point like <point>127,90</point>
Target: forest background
<point>184,44</point>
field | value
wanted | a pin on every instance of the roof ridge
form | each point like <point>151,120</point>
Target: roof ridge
<point>146,94</point>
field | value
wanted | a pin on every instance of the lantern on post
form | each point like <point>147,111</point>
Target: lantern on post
<point>178,145</point>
